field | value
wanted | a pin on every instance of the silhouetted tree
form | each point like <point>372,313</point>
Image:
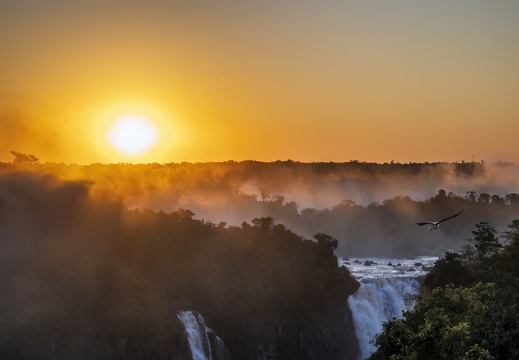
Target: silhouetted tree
<point>471,195</point>
<point>326,240</point>
<point>497,200</point>
<point>24,159</point>
<point>484,198</point>
<point>513,199</point>
<point>485,240</point>
<point>264,223</point>
<point>264,194</point>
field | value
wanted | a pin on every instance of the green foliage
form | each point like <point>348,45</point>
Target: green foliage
<point>455,323</point>
<point>512,234</point>
<point>472,309</point>
<point>506,261</point>
<point>449,271</point>
<point>485,241</point>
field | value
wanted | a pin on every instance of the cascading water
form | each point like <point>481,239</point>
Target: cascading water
<point>376,301</point>
<point>386,291</point>
<point>196,335</point>
<point>203,342</point>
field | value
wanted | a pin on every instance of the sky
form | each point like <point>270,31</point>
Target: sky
<point>329,80</point>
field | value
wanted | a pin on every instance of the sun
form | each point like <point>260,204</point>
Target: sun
<point>133,134</point>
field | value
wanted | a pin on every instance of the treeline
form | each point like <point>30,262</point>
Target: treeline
<point>470,310</point>
<point>83,277</point>
<point>370,208</point>
<point>309,185</point>
<point>389,229</point>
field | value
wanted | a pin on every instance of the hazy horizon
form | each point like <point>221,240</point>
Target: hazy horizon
<point>371,209</point>
<point>404,81</point>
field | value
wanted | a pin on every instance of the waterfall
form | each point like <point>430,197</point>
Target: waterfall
<point>203,342</point>
<point>196,335</point>
<point>379,300</point>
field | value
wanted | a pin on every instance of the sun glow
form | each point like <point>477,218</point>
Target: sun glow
<point>133,134</point>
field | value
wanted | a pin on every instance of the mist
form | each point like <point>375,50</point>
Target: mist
<point>19,131</point>
<point>370,208</point>
<point>309,185</point>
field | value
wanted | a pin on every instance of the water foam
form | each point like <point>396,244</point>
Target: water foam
<point>388,288</point>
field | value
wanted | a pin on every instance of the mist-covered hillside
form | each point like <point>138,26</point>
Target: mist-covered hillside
<point>83,277</point>
<point>370,208</point>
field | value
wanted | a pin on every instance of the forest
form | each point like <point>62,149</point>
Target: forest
<point>370,208</point>
<point>470,308</point>
<point>83,277</point>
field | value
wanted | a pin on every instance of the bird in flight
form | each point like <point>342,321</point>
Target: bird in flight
<point>436,224</point>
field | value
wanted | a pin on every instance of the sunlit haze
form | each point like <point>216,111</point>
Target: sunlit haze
<point>403,80</point>
<point>132,134</point>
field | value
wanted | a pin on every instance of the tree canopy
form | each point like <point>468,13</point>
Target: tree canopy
<point>471,310</point>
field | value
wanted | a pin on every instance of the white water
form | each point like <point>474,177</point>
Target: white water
<point>388,287</point>
<point>382,267</point>
<point>196,335</point>
<point>199,338</point>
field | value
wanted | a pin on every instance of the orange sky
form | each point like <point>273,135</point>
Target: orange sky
<point>402,80</point>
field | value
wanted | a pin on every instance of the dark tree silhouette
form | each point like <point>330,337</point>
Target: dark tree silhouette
<point>264,223</point>
<point>326,240</point>
<point>24,159</point>
<point>485,240</point>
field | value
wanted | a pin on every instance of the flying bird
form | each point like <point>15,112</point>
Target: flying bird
<point>436,224</point>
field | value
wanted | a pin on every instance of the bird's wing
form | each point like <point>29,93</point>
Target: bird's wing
<point>450,217</point>
<point>425,223</point>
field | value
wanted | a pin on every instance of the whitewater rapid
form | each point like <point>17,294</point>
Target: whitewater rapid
<point>388,287</point>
